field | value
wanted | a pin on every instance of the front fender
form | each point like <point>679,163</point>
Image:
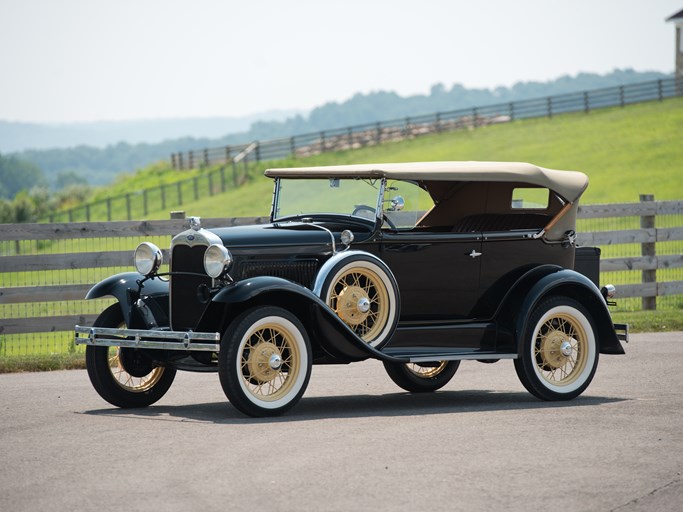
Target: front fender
<point>124,287</point>
<point>324,326</point>
<point>548,281</point>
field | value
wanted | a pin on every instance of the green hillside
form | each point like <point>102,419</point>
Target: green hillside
<point>625,152</point>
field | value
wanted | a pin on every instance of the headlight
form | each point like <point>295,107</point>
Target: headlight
<point>147,258</point>
<point>217,260</point>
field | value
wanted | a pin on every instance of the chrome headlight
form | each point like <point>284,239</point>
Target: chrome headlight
<point>217,260</point>
<point>147,258</point>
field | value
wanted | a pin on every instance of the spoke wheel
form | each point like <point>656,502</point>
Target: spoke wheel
<point>421,377</point>
<point>363,293</point>
<point>559,356</point>
<point>264,363</point>
<point>125,377</point>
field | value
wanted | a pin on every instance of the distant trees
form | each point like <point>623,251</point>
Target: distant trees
<point>17,175</point>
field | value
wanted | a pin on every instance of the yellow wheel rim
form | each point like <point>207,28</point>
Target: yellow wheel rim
<point>270,362</point>
<point>125,380</point>
<point>426,371</point>
<point>361,300</point>
<point>561,349</point>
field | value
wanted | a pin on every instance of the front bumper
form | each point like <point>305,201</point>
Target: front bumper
<point>153,339</point>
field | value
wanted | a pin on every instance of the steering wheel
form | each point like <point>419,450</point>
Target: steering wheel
<point>365,208</point>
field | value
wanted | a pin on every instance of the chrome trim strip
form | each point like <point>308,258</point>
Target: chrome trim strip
<point>140,338</point>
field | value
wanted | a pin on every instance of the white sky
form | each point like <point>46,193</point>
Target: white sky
<point>87,60</point>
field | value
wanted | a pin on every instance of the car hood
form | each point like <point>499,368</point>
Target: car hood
<point>274,235</point>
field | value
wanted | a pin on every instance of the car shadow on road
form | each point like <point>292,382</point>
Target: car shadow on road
<point>361,406</point>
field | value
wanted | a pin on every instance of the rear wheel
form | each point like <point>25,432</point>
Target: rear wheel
<point>421,377</point>
<point>264,363</point>
<point>125,377</point>
<point>559,354</point>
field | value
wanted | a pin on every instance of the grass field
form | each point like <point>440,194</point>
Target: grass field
<point>625,152</point>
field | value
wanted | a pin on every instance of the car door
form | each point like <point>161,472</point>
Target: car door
<point>437,273</point>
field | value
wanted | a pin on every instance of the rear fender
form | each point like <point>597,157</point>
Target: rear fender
<point>324,326</point>
<point>547,281</point>
<point>125,288</point>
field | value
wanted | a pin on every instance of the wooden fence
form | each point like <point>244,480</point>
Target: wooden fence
<point>369,134</point>
<point>648,237</point>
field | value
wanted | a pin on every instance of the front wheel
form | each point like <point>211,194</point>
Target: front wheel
<point>421,377</point>
<point>125,377</point>
<point>559,353</point>
<point>264,363</point>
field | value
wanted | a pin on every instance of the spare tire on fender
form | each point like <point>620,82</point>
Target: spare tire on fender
<point>362,291</point>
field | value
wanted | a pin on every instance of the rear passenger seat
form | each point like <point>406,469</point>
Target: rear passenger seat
<point>501,222</point>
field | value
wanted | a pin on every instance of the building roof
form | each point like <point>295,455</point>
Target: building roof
<point>569,184</point>
<point>677,16</point>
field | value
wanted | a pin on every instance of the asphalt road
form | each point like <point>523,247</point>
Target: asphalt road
<point>355,442</point>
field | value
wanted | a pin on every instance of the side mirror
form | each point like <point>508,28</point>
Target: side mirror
<point>397,204</point>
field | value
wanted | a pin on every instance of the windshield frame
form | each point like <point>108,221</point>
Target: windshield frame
<point>380,184</point>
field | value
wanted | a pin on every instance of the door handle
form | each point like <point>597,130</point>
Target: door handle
<point>474,254</point>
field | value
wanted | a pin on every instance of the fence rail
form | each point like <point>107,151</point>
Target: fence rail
<point>30,304</point>
<point>374,133</point>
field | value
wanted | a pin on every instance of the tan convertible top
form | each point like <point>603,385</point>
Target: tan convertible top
<point>569,184</point>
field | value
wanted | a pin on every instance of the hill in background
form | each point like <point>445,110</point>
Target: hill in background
<point>102,165</point>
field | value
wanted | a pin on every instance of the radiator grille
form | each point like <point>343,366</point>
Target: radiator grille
<point>186,309</point>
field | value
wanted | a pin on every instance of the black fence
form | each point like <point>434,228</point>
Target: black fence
<point>369,134</point>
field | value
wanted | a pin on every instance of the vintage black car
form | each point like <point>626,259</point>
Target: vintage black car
<point>419,265</point>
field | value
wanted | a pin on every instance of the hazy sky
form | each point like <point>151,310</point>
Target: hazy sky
<point>86,60</point>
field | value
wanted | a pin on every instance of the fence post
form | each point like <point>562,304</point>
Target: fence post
<point>128,214</point>
<point>173,161</point>
<point>292,146</point>
<point>234,173</point>
<point>660,90</point>
<point>379,133</point>
<point>586,102</point>
<point>474,117</point>
<point>190,157</point>
<point>180,161</point>
<point>206,157</point>
<point>648,249</point>
<point>550,107</point>
<point>438,122</point>
<point>258,151</point>
<point>621,96</point>
<point>512,111</point>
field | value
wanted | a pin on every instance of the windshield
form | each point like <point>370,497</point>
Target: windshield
<point>297,197</point>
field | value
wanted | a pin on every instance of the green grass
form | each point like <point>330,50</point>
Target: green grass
<point>625,152</point>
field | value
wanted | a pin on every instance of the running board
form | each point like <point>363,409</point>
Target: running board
<point>423,356</point>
